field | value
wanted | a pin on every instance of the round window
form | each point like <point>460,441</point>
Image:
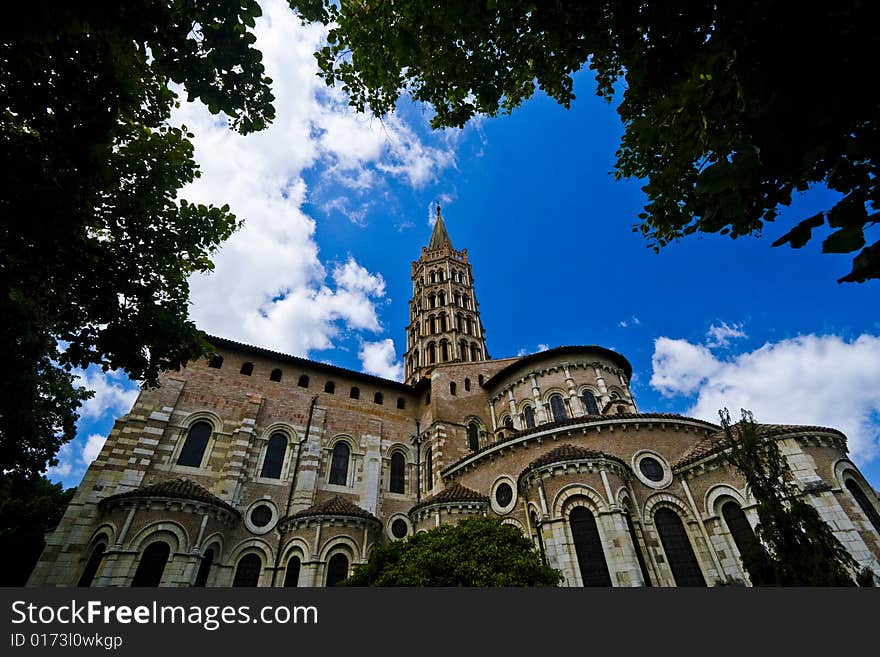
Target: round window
<point>399,528</point>
<point>651,468</point>
<point>261,516</point>
<point>503,494</point>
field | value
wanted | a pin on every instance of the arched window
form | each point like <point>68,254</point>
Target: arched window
<point>291,577</point>
<point>204,568</point>
<point>196,443</point>
<point>274,459</point>
<point>590,402</point>
<point>92,565</point>
<point>635,541</point>
<point>463,350</point>
<point>398,473</point>
<point>247,572</point>
<point>152,564</point>
<point>474,353</point>
<point>330,387</point>
<point>743,535</point>
<point>303,381</point>
<point>467,385</point>
<point>432,353</point>
<point>339,464</point>
<point>469,327</point>
<point>557,408</point>
<point>247,369</point>
<point>216,361</point>
<point>473,433</point>
<point>529,416</point>
<point>588,547</point>
<point>355,392</point>
<point>534,517</point>
<point>433,276</point>
<point>275,375</point>
<point>441,297</point>
<point>864,503</point>
<point>677,546</point>
<point>401,402</point>
<point>432,301</point>
<point>443,326</point>
<point>432,321</point>
<point>507,421</point>
<point>378,398</point>
<point>458,323</point>
<point>429,469</point>
<point>337,569</point>
<point>444,351</point>
<point>452,387</point>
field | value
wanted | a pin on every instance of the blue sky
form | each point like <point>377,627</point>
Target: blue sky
<point>337,206</point>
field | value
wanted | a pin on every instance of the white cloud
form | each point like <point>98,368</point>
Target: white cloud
<point>809,379</point>
<point>66,461</point>
<point>92,448</point>
<point>380,359</point>
<point>632,321</point>
<point>720,336</point>
<point>269,286</point>
<point>114,393</point>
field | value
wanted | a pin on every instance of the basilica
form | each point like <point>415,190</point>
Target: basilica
<point>258,468</point>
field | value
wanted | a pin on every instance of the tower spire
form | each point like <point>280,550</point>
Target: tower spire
<point>439,238</point>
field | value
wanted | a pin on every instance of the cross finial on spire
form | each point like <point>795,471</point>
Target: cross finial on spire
<point>438,210</point>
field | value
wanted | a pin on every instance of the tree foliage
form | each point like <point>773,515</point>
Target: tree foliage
<point>29,507</point>
<point>728,108</point>
<point>95,245</point>
<point>796,547</point>
<point>476,552</point>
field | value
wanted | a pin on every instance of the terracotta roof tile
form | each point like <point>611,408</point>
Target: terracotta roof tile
<point>567,452</point>
<point>450,495</point>
<point>335,506</point>
<point>717,441</point>
<point>181,489</point>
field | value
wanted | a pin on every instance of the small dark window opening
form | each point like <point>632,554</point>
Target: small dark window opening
<point>355,393</point>
<point>274,459</point>
<point>429,469</point>
<point>378,398</point>
<point>557,407</point>
<point>196,442</point>
<point>480,379</point>
<point>508,422</point>
<point>590,403</point>
<point>339,464</point>
<point>467,384</point>
<point>261,515</point>
<point>651,468</point>
<point>337,569</point>
<point>677,546</point>
<point>401,402</point>
<point>398,473</point>
<point>291,577</point>
<point>330,387</point>
<point>743,535</point>
<point>529,417</point>
<point>91,569</point>
<point>247,573</point>
<point>303,381</point>
<point>247,369</point>
<point>204,568</point>
<point>399,528</point>
<point>275,375</point>
<point>473,432</point>
<point>452,387</point>
<point>216,361</point>
<point>152,565</point>
<point>503,495</point>
<point>588,547</point>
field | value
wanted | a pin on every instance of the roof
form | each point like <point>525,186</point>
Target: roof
<point>181,489</point>
<point>619,360</point>
<point>567,452</point>
<point>439,237</point>
<point>717,441</point>
<point>335,506</point>
<point>450,495</point>
<point>226,343</point>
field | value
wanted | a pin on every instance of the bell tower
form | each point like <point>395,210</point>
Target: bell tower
<point>444,317</point>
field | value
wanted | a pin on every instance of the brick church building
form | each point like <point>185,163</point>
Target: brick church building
<point>257,468</point>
